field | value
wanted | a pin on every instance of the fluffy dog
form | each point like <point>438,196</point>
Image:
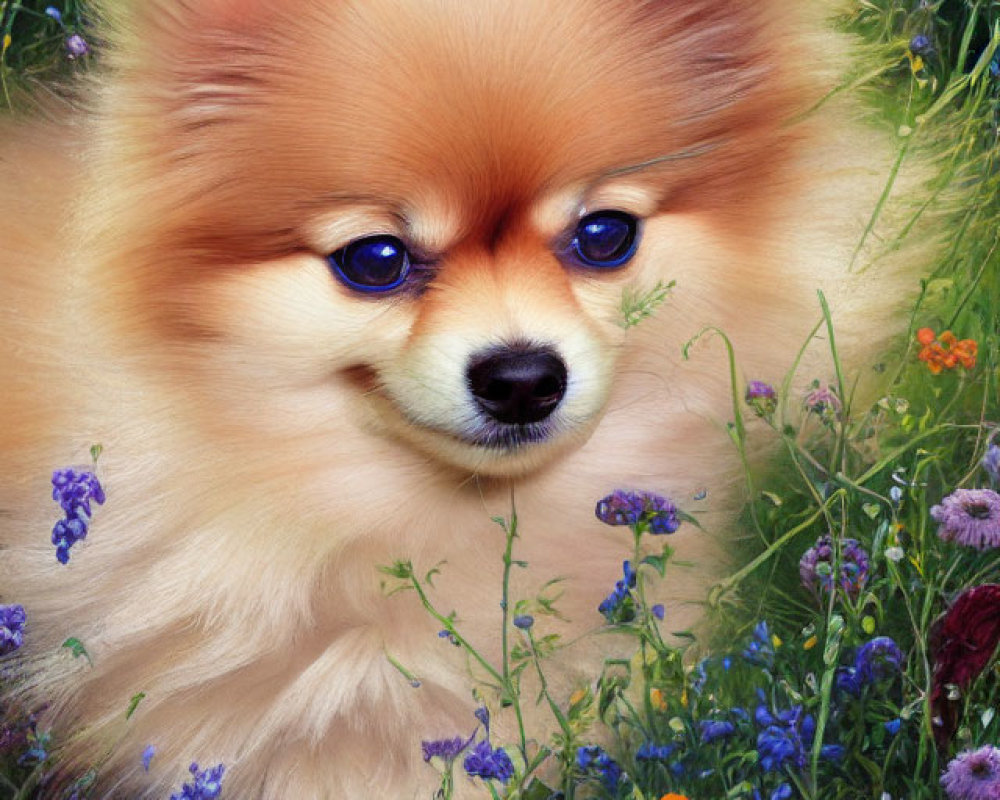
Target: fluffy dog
<point>330,281</point>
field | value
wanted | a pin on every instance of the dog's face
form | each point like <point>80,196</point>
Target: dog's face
<point>417,218</point>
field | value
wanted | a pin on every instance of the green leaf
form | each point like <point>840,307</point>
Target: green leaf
<point>636,305</point>
<point>659,563</point>
<point>75,646</point>
<point>133,704</point>
<point>537,791</point>
<point>773,498</point>
<point>834,633</point>
<point>398,569</point>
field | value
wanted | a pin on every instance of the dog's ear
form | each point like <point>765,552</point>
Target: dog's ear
<point>158,36</point>
<point>189,63</point>
<point>176,17</point>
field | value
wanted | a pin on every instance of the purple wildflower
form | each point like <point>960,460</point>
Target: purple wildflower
<point>878,659</point>
<point>74,490</point>
<point>12,619</point>
<point>52,11</point>
<point>823,401</point>
<point>638,508</point>
<point>445,749</point>
<point>207,784</point>
<point>658,611</point>
<point>65,534</point>
<point>77,47</point>
<point>524,621</point>
<point>488,763</point>
<point>816,567</point>
<point>991,462</point>
<point>482,713</point>
<point>147,756</point>
<point>761,397</point>
<point>971,517</point>
<point>973,775</point>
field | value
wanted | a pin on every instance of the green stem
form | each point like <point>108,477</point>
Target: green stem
<point>450,627</point>
<point>510,531</point>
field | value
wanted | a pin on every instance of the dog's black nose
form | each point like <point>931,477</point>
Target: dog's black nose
<point>517,385</point>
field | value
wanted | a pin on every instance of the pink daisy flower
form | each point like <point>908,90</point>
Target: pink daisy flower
<point>970,517</point>
<point>973,775</point>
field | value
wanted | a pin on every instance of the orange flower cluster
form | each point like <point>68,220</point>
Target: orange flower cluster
<point>946,351</point>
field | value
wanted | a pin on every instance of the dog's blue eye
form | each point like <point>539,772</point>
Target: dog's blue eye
<point>605,239</point>
<point>372,264</point>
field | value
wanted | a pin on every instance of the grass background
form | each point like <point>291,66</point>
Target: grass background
<point>926,435</point>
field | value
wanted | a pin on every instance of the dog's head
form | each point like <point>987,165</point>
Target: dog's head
<point>418,217</point>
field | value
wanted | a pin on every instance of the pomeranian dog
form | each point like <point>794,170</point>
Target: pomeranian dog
<point>332,281</point>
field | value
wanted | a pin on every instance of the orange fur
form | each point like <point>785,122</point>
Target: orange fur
<point>270,437</point>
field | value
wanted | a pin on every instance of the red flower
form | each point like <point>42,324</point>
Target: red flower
<point>962,642</point>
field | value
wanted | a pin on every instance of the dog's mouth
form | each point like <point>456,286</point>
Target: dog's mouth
<point>477,430</point>
<point>491,435</point>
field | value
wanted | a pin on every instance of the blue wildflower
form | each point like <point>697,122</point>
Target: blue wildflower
<point>878,659</point>
<point>12,619</point>
<point>649,751</point>
<point>524,621</point>
<point>714,729</point>
<point>619,605</point>
<point>52,11</point>
<point>593,759</point>
<point>778,746</point>
<point>833,752</point>
<point>920,45</point>
<point>446,634</point>
<point>760,648</point>
<point>36,742</point>
<point>893,725</point>
<point>638,508</point>
<point>783,792</point>
<point>658,611</point>
<point>786,739</point>
<point>207,784</point>
<point>147,756</point>
<point>488,763</point>
<point>848,681</point>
